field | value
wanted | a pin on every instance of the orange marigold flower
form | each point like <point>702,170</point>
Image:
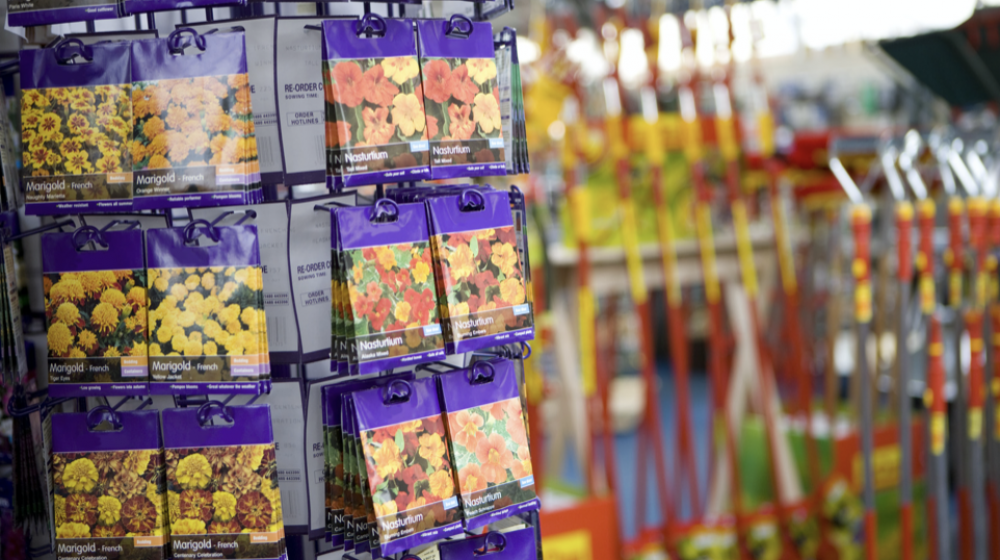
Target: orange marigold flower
<point>158,162</point>
<point>153,127</point>
<point>254,510</point>
<point>196,504</point>
<point>139,515</point>
<point>109,164</point>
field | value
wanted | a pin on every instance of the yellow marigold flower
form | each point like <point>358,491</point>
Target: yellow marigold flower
<point>108,279</point>
<point>230,271</point>
<point>195,336</point>
<point>108,510</point>
<point>233,347</point>
<point>208,281</point>
<point>179,291</point>
<point>105,316</point>
<point>138,349</point>
<point>73,531</point>
<point>241,276</point>
<point>87,340</point>
<point>229,314</point>
<point>192,282</point>
<point>251,456</point>
<point>194,471</point>
<point>68,313</point>
<point>193,302</point>
<point>188,527</point>
<point>110,163</point>
<point>80,476</point>
<point>155,350</point>
<point>224,506</point>
<point>249,316</point>
<point>186,319</point>
<point>192,348</point>
<point>67,290</point>
<point>223,337</point>
<point>481,70</point>
<point>77,162</point>
<point>60,509</point>
<point>115,297</point>
<point>164,334</point>
<point>179,341</point>
<point>169,303</point>
<point>49,125</point>
<point>112,352</point>
<point>60,338</point>
<point>255,280</point>
<point>137,296</point>
<point>75,352</point>
<point>210,349</point>
<point>161,284</point>
<point>211,305</point>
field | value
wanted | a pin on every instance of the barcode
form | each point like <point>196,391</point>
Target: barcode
<point>320,145</point>
<point>265,151</point>
<point>277,334</point>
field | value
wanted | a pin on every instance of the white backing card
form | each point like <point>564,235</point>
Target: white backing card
<point>289,426</point>
<point>314,457</point>
<point>300,102</point>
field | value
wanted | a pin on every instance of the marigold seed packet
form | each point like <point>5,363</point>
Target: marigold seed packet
<point>222,483</point>
<point>109,488</point>
<point>95,314</point>
<point>206,325</point>
<point>519,544</point>
<point>375,128</point>
<point>461,98</point>
<point>76,128</point>
<point>489,442</point>
<point>409,467</point>
<point>386,264</point>
<point>333,427</point>
<point>194,142</point>
<point>481,286</point>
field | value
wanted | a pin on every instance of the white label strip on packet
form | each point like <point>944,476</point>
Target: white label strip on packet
<point>315,467</point>
<point>259,36</point>
<point>272,237</point>
<point>300,102</point>
<point>289,426</point>
<point>309,262</point>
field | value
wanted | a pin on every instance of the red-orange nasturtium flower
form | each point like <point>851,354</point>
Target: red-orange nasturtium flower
<point>436,75</point>
<point>460,86</point>
<point>465,428</point>
<point>349,83</point>
<point>471,479</point>
<point>378,89</point>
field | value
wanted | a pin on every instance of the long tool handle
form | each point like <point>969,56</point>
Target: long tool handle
<point>977,383</point>
<point>861,222</point>
<point>904,227</point>
<point>992,334</point>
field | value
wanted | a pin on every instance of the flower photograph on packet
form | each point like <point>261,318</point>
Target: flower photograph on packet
<point>194,142</point>
<point>410,474</point>
<point>94,285</point>
<point>461,98</point>
<point>388,272</point>
<point>76,128</point>
<point>206,332</point>
<point>489,441</point>
<point>374,110</point>
<point>481,284</point>
<point>109,498</point>
<point>222,482</point>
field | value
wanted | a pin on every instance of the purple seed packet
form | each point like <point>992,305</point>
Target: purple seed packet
<point>489,440</point>
<point>519,544</point>
<point>95,313</point>
<point>387,266</point>
<point>375,127</point>
<point>358,481</point>
<point>204,317</point>
<point>410,473</point>
<point>222,482</point>
<point>461,98</point>
<point>76,128</point>
<point>194,142</point>
<point>480,278</point>
<point>109,489</point>
<point>145,6</point>
<point>336,489</point>
<point>49,12</point>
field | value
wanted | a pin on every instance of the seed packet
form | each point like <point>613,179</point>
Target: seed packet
<point>207,331</point>
<point>48,12</point>
<point>461,98</point>
<point>354,460</point>
<point>409,467</point>
<point>76,128</point>
<point>333,427</point>
<point>388,272</point>
<point>489,441</point>
<point>194,142</point>
<point>145,6</point>
<point>518,544</point>
<point>374,111</point>
<point>109,488</point>
<point>14,354</point>
<point>222,482</point>
<point>481,287</point>
<point>95,312</point>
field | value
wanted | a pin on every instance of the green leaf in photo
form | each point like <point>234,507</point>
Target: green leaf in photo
<point>399,440</point>
<point>474,245</point>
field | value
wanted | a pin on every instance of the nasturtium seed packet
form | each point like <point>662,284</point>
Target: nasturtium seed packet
<point>489,441</point>
<point>109,488</point>
<point>222,483</point>
<point>481,286</point>
<point>30,13</point>
<point>359,481</point>
<point>461,100</point>
<point>204,312</point>
<point>374,109</point>
<point>194,142</point>
<point>410,474</point>
<point>95,315</point>
<point>388,274</point>
<point>76,128</point>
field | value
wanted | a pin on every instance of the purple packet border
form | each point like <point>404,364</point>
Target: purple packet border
<point>372,413</point>
<point>140,430</point>
<point>145,6</point>
<point>457,393</point>
<point>251,426</point>
<point>76,207</point>
<point>125,252</point>
<point>68,14</point>
<point>519,544</point>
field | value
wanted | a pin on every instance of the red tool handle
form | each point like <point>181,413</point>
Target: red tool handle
<point>977,383</point>
<point>904,227</point>
<point>861,223</point>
